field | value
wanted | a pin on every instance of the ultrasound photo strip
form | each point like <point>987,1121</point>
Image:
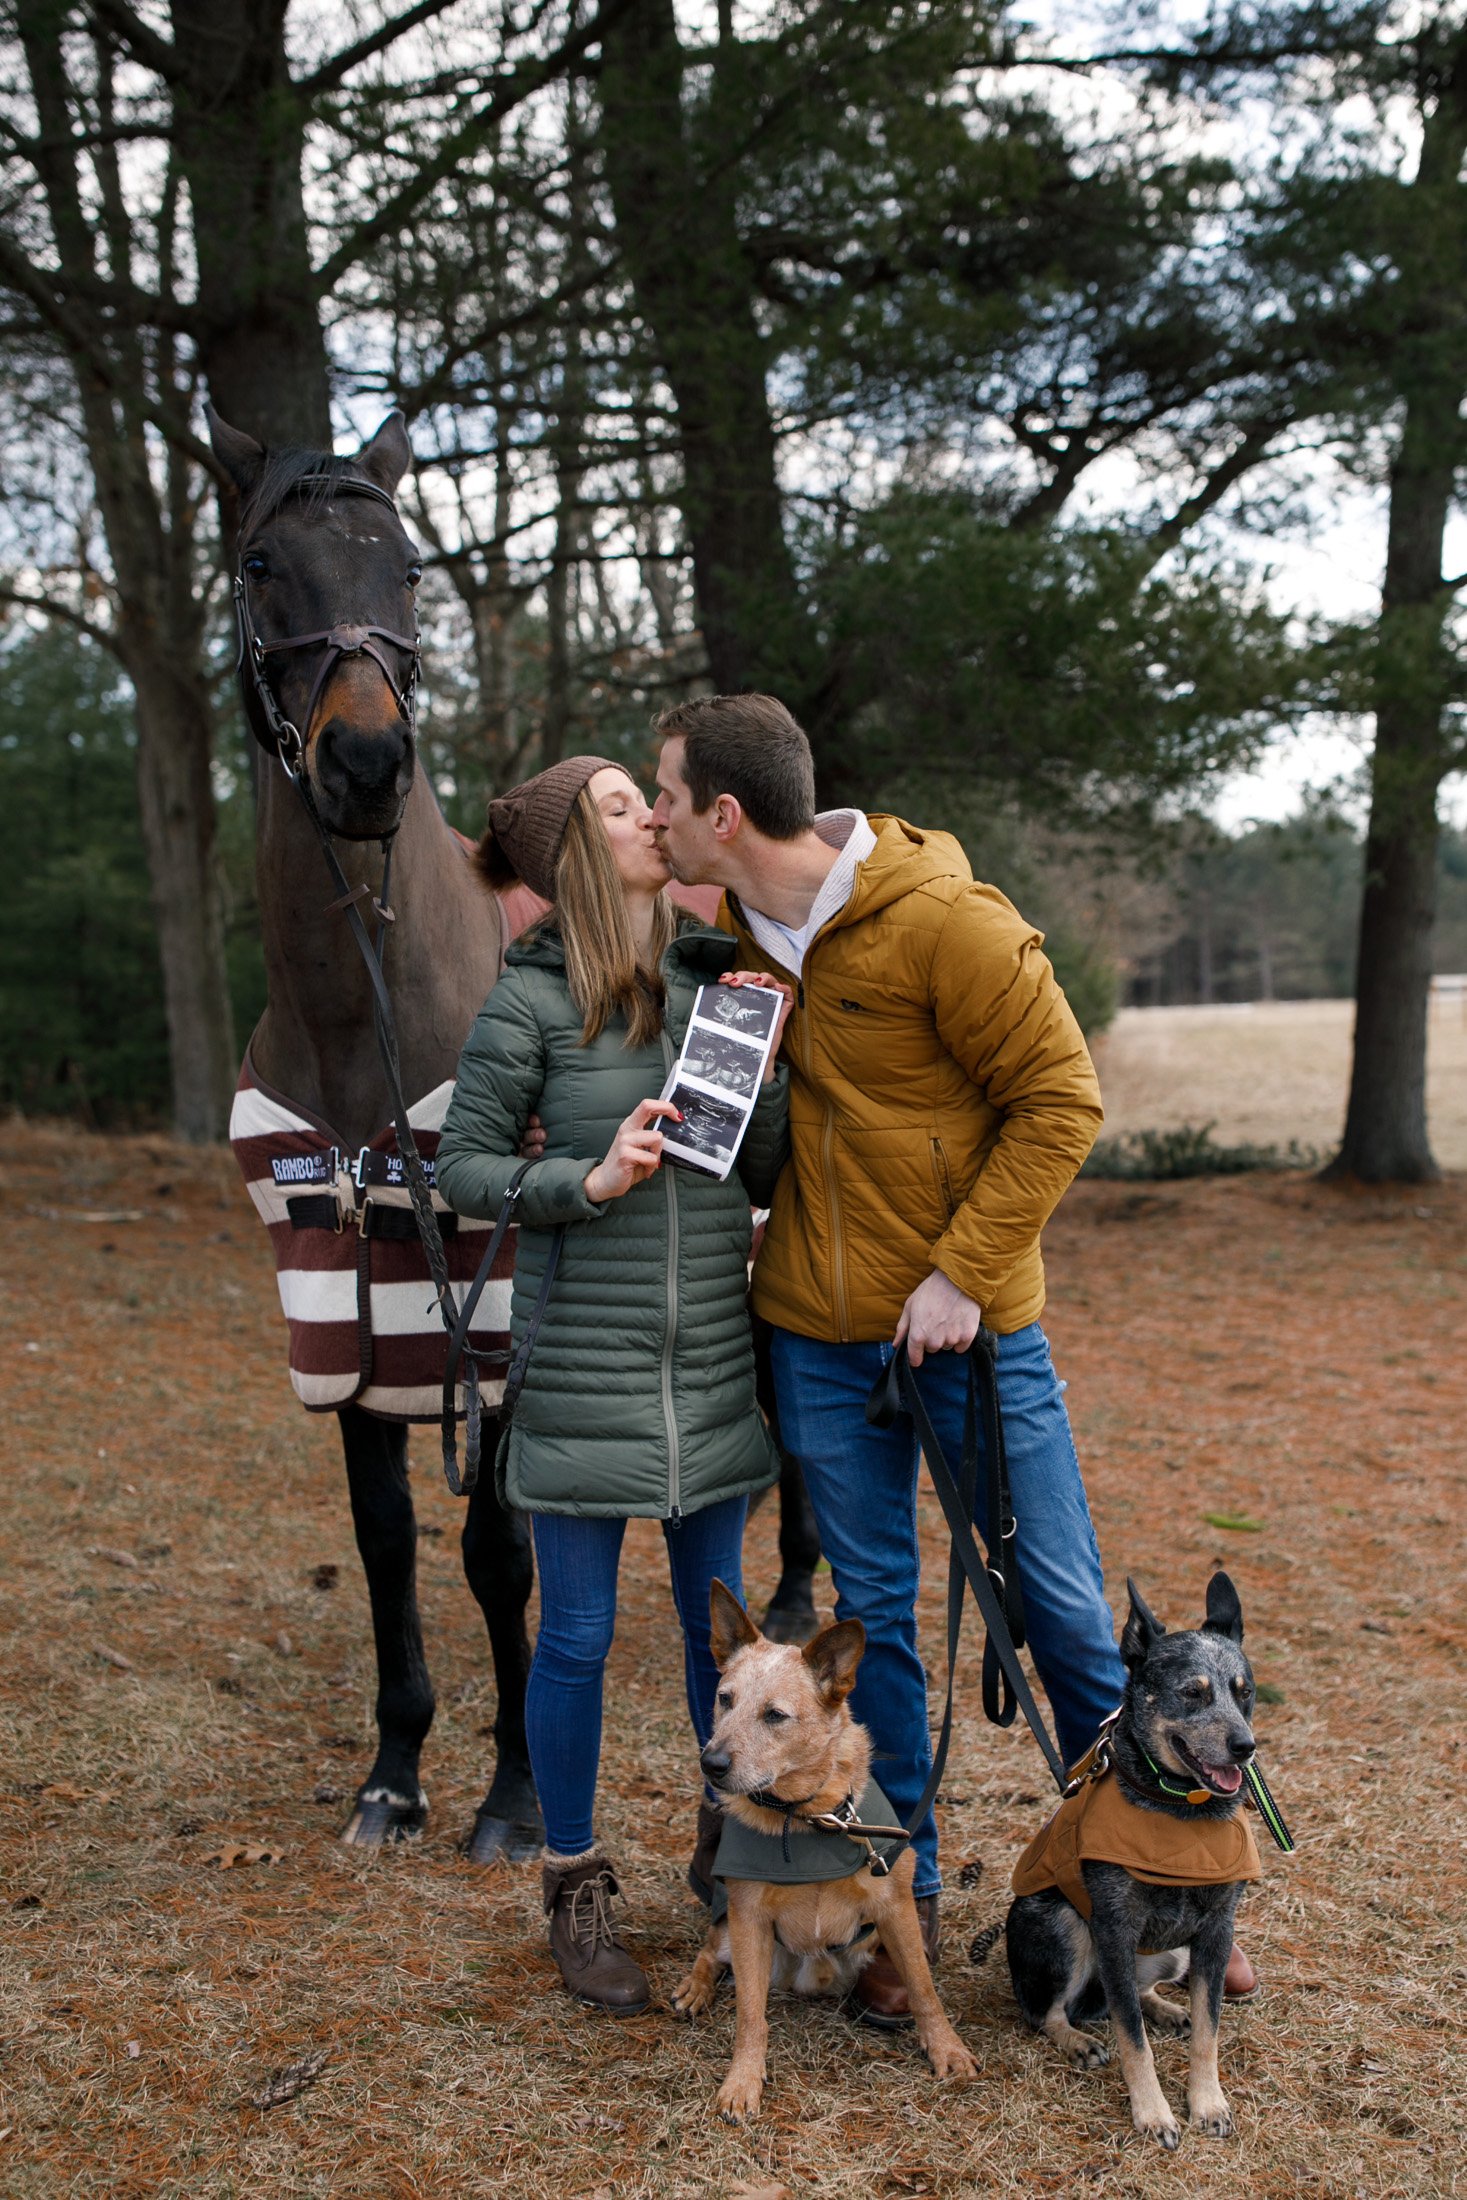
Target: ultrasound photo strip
<point>716,1080</point>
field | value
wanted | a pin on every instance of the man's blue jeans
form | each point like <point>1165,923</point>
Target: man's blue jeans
<point>863,1486</point>
<point>578,1560</point>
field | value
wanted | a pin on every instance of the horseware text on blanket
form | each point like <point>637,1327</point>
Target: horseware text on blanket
<point>364,1324</point>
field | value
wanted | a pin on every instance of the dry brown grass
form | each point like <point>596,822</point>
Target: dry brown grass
<point>1262,1346</point>
<point>1266,1072</point>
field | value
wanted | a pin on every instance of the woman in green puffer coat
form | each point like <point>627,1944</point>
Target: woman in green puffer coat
<point>639,1398</point>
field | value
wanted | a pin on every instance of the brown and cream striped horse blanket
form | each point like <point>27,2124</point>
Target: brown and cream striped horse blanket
<point>354,1285</point>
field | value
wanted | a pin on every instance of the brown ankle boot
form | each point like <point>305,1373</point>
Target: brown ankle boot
<point>705,1849</point>
<point>577,1893</point>
<point>878,1996</point>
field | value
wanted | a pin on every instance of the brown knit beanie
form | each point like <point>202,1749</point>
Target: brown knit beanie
<point>527,825</point>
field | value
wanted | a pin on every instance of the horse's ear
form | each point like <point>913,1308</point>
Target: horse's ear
<point>239,454</point>
<point>387,455</point>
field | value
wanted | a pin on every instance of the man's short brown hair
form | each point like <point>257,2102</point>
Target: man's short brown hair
<point>748,746</point>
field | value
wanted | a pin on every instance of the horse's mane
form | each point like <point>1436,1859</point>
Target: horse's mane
<point>282,475</point>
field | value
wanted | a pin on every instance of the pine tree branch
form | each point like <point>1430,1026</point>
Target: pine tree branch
<point>1245,455</point>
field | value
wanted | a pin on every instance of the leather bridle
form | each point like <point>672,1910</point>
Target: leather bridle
<point>283,739</point>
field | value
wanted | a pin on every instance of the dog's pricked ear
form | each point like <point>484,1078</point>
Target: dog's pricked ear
<point>1141,1630</point>
<point>1224,1609</point>
<point>732,1629</point>
<point>833,1656</point>
<point>239,454</point>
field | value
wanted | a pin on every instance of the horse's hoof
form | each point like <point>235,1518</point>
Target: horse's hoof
<point>791,1622</point>
<point>494,1840</point>
<point>380,1817</point>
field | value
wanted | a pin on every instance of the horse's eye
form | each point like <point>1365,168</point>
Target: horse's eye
<point>414,575</point>
<point>256,566</point>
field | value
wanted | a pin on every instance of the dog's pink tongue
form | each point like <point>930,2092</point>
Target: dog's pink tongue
<point>1228,1777</point>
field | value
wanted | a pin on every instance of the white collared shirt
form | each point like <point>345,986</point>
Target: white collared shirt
<point>847,830</point>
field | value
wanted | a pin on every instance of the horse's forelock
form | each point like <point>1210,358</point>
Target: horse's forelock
<point>312,475</point>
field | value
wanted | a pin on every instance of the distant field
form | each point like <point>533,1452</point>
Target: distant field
<point>1265,1071</point>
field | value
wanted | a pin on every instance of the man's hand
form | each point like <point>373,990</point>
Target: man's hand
<point>938,1317</point>
<point>775,985</point>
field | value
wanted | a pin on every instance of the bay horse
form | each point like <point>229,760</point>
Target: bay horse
<point>318,558</point>
<point>326,576</point>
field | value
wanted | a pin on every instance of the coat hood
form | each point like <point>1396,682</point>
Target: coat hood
<point>905,858</point>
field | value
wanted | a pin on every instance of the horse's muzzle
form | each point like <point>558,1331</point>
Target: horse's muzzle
<point>362,777</point>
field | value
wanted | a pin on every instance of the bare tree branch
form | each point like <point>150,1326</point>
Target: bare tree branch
<point>81,342</point>
<point>141,40</point>
<point>332,72</point>
<point>522,83</point>
<point>52,608</point>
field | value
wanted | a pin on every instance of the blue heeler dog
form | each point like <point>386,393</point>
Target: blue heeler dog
<point>1135,1881</point>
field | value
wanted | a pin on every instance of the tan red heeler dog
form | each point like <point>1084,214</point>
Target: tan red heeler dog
<point>784,1730</point>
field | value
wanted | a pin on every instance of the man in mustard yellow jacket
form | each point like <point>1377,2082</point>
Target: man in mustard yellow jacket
<point>941,1100</point>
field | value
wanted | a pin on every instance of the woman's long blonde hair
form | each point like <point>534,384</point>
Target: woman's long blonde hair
<point>600,954</point>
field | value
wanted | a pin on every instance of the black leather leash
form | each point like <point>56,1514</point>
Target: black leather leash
<point>459,1350</point>
<point>994,1581</point>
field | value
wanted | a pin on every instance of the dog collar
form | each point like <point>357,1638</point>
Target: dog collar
<point>844,1819</point>
<point>1194,1796</point>
<point>1099,1759</point>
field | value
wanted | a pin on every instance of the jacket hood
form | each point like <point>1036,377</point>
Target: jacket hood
<point>905,858</point>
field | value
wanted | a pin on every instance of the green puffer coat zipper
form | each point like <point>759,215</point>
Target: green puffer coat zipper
<point>640,1392</point>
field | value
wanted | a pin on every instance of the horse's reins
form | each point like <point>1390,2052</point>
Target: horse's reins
<point>288,744</point>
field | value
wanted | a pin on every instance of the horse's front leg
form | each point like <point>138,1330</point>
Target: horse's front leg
<point>500,1569</point>
<point>791,1614</point>
<point>390,1804</point>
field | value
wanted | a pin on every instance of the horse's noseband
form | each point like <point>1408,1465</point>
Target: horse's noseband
<point>287,741</point>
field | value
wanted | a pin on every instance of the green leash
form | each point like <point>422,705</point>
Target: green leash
<point>1267,1808</point>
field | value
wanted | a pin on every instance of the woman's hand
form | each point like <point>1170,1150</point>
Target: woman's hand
<point>636,1151</point>
<point>775,985</point>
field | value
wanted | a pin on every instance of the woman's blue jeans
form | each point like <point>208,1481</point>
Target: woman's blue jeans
<point>863,1486</point>
<point>578,1561</point>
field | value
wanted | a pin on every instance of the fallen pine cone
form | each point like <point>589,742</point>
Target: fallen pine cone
<point>981,1946</point>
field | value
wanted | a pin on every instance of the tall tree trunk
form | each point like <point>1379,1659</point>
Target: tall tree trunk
<point>677,226</point>
<point>177,809</point>
<point>1385,1138</point>
<point>159,628</point>
<point>239,126</point>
